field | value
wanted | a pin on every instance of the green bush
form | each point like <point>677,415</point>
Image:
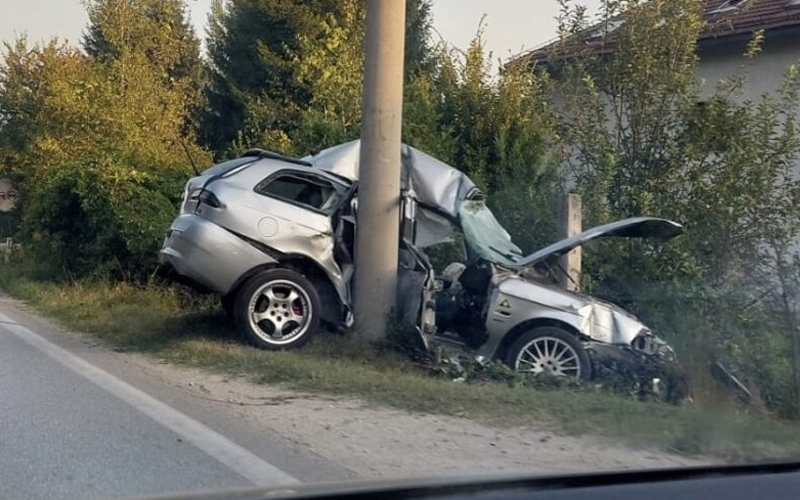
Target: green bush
<point>529,210</point>
<point>98,215</point>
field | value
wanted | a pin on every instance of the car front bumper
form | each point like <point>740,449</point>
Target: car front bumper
<point>622,366</point>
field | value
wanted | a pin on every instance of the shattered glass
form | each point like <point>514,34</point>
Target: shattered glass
<point>484,234</point>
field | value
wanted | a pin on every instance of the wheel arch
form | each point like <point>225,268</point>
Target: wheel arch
<point>528,325</point>
<point>332,307</point>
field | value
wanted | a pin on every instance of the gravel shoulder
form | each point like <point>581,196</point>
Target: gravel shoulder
<point>379,442</point>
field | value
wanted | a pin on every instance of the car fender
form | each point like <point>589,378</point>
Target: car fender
<point>332,290</point>
<point>516,301</point>
<point>508,316</point>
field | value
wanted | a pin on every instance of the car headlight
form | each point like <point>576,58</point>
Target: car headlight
<point>643,342</point>
<point>647,343</point>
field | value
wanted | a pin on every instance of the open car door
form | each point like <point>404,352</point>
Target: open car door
<point>416,309</point>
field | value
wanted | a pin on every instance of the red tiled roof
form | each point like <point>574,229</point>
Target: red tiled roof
<point>751,15</point>
<point>747,17</point>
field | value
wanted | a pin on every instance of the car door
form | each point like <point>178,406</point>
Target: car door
<point>416,285</point>
<point>296,209</point>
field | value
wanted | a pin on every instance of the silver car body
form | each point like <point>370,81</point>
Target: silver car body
<point>438,188</point>
<point>221,247</point>
<point>517,301</point>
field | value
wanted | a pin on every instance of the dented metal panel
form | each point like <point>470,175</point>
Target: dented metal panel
<point>189,250</point>
<point>516,300</point>
<point>278,225</point>
<point>436,184</point>
<point>606,323</point>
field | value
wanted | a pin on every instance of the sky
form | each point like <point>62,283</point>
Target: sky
<point>510,25</point>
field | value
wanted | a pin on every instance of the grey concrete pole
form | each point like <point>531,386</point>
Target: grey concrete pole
<point>379,178</point>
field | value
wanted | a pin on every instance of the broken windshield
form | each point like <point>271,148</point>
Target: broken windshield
<point>485,236</point>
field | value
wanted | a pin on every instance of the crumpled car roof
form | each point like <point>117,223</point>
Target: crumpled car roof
<point>436,184</point>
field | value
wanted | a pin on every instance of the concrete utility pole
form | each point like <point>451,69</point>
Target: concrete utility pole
<point>379,178</point>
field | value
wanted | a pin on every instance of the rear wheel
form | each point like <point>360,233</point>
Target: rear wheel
<point>549,350</point>
<point>278,309</point>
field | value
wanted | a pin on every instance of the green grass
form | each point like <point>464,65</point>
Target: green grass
<point>177,327</point>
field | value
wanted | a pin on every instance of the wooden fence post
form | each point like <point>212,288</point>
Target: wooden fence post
<point>571,223</point>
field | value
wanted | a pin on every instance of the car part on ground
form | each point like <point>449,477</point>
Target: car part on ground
<point>275,237</point>
<point>643,376</point>
<point>730,382</point>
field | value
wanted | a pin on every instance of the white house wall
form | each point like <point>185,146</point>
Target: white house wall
<point>765,72</point>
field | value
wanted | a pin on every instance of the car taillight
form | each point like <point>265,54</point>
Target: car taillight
<point>208,198</point>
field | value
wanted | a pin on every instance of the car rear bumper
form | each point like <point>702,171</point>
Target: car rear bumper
<point>206,255</point>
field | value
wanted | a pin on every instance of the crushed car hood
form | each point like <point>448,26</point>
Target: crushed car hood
<point>435,184</point>
<point>635,227</point>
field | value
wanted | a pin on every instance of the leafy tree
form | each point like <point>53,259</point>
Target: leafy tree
<point>132,93</point>
<point>265,57</point>
<point>58,105</point>
<point>637,142</point>
<point>51,99</point>
<point>495,129</point>
<point>498,121</point>
<point>250,43</point>
<point>419,24</point>
<point>158,31</point>
<point>329,64</point>
<point>95,138</point>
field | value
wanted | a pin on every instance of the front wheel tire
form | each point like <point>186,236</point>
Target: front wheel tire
<point>549,350</point>
<point>278,309</point>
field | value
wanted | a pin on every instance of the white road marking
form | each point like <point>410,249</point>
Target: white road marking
<point>238,459</point>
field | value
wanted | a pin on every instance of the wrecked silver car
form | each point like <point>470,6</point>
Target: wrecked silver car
<point>275,238</point>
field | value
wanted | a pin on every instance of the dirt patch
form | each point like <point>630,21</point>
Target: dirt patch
<point>380,442</point>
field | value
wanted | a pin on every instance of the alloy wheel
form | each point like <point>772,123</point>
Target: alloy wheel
<point>280,311</point>
<point>548,355</point>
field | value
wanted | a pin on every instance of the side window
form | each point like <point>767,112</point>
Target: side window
<point>305,190</point>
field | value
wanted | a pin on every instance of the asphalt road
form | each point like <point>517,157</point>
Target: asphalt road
<point>75,422</point>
